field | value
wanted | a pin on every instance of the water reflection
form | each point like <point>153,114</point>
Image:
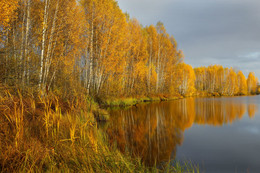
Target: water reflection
<point>154,131</point>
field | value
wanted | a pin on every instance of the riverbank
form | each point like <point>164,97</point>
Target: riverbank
<point>57,133</point>
<point>133,101</point>
<point>130,101</point>
<point>52,134</point>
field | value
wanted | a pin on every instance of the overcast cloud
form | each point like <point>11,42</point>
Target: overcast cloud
<point>225,32</point>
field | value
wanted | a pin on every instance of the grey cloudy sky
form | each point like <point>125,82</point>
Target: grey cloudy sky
<point>225,32</point>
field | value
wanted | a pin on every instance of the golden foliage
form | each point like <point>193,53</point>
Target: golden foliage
<point>64,44</point>
<point>7,11</point>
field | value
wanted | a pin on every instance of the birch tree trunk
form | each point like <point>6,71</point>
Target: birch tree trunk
<point>44,30</point>
<point>158,68</point>
<point>28,23</point>
<point>150,68</point>
<point>22,47</point>
<point>50,47</point>
<point>6,57</point>
<point>91,54</point>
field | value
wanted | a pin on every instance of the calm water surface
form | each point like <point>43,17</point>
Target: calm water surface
<point>219,134</point>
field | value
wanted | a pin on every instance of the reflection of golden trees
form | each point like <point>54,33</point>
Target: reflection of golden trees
<point>217,111</point>
<point>252,109</point>
<point>144,131</point>
<point>154,131</point>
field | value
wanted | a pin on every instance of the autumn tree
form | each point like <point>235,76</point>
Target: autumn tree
<point>231,84</point>
<point>152,52</point>
<point>185,79</point>
<point>65,45</point>
<point>135,70</point>
<point>7,12</point>
<point>242,83</point>
<point>105,49</point>
<point>43,36</point>
<point>217,80</point>
<point>163,57</point>
<point>200,73</point>
<point>251,83</point>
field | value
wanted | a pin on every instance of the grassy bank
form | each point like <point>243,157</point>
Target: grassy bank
<point>50,134</point>
<point>130,101</point>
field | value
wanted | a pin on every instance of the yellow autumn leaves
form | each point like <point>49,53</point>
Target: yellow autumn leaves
<point>218,80</point>
<point>67,44</point>
<point>7,11</point>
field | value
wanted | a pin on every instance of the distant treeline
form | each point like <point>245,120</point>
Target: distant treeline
<point>217,80</point>
<point>64,45</point>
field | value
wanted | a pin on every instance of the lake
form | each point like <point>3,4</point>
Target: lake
<point>219,134</point>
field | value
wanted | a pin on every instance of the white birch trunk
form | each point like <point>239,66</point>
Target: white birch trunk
<point>22,47</point>
<point>50,46</point>
<point>45,20</point>
<point>28,23</point>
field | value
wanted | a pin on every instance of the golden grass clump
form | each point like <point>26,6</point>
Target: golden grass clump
<point>46,133</point>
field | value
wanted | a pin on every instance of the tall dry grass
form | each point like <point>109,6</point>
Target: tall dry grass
<point>46,133</point>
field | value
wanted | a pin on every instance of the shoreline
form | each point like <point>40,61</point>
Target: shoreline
<point>132,101</point>
<point>102,114</point>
